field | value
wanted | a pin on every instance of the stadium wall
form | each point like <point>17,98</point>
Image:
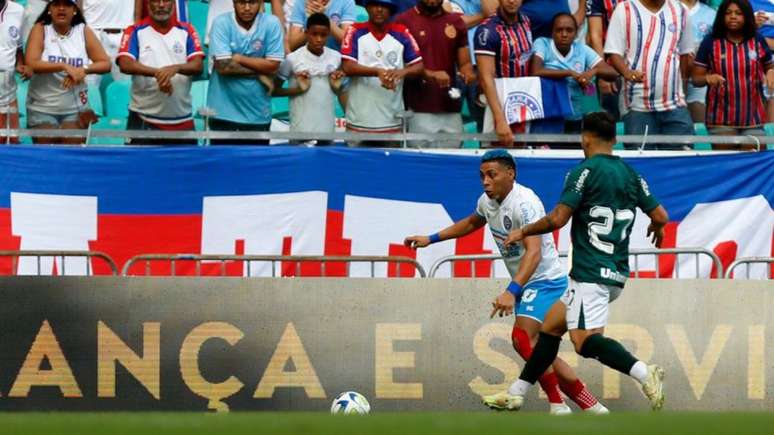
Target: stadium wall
<point>275,344</point>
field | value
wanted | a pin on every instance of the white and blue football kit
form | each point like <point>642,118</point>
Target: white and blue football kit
<point>547,284</point>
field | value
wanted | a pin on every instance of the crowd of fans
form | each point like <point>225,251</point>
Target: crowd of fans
<point>657,65</point>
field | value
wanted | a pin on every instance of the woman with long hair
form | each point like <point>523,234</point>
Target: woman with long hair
<point>61,51</point>
<point>733,61</point>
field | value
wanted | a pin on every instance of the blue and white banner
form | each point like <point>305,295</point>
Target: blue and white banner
<point>338,201</point>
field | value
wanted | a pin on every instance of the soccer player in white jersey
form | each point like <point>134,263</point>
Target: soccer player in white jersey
<point>538,280</point>
<point>11,62</point>
<point>62,51</point>
<point>108,19</point>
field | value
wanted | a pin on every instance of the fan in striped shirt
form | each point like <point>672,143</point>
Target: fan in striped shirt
<point>650,43</point>
<point>733,62</point>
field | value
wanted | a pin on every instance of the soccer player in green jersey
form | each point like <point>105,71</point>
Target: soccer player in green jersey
<point>601,195</point>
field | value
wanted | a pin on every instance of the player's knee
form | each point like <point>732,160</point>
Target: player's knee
<point>584,345</point>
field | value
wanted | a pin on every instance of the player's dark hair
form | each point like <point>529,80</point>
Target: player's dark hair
<point>600,124</point>
<point>318,19</point>
<point>564,14</point>
<point>719,29</point>
<point>500,156</point>
<point>46,19</point>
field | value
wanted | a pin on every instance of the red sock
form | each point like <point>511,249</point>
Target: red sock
<point>579,394</point>
<point>549,382</point>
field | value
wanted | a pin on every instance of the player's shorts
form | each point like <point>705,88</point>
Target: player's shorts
<point>587,304</point>
<point>538,296</point>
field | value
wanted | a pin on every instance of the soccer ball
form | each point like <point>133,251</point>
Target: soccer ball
<point>350,402</point>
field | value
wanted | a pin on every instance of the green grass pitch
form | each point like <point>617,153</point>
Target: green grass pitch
<point>277,423</point>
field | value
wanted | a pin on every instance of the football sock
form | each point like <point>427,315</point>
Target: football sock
<point>543,356</point>
<point>548,381</point>
<point>639,372</point>
<point>609,352</point>
<point>578,393</point>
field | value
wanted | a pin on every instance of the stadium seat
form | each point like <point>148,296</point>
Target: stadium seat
<point>199,90</point>
<point>471,127</point>
<point>619,131</point>
<point>701,130</point>
<point>197,13</point>
<point>267,8</point>
<point>769,128</point>
<point>362,14</point>
<point>118,97</point>
<point>280,108</point>
<point>21,96</point>
<point>106,123</point>
<point>95,100</point>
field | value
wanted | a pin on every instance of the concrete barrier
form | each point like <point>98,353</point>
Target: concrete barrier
<point>249,344</point>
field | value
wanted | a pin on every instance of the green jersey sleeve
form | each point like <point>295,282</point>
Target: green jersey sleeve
<point>645,200</point>
<point>574,185</point>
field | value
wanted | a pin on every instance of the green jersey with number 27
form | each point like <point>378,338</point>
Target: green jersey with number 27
<point>604,193</point>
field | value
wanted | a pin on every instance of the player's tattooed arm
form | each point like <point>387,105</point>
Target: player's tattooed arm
<point>558,218</point>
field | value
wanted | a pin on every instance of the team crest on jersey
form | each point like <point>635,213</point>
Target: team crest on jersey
<point>518,104</point>
<point>753,55</point>
<point>257,45</point>
<point>13,32</point>
<point>578,67</point>
<point>335,18</point>
<point>483,36</point>
<point>704,28</point>
<point>450,31</point>
<point>177,48</point>
<point>392,58</point>
<point>672,28</point>
<point>529,295</point>
<point>507,223</point>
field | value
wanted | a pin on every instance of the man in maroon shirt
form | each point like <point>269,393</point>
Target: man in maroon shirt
<point>443,40</point>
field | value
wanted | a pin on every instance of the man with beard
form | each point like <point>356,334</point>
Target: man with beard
<point>443,42</point>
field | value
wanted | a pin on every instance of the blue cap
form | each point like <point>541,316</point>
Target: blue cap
<point>392,4</point>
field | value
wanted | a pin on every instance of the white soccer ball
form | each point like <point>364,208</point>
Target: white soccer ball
<point>350,402</point>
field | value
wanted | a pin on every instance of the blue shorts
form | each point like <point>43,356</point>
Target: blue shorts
<point>35,118</point>
<point>537,297</point>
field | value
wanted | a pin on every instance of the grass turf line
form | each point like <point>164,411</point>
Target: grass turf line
<point>279,423</point>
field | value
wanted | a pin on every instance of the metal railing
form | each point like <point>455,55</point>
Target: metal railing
<point>271,259</point>
<point>62,255</point>
<point>636,253</point>
<point>748,261</point>
<point>640,140</point>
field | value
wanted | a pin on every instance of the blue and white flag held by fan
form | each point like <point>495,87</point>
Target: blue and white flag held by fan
<point>526,99</point>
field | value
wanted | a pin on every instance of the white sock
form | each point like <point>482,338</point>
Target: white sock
<point>639,372</point>
<point>519,388</point>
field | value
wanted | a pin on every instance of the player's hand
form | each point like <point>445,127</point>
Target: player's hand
<point>439,77</point>
<point>716,80</point>
<point>468,76</point>
<point>585,79</point>
<point>24,71</point>
<point>770,78</point>
<point>303,80</point>
<point>386,79</point>
<point>415,242</point>
<point>336,79</point>
<point>504,133</point>
<point>164,78</point>
<point>503,304</point>
<point>513,238</point>
<point>606,87</point>
<point>761,18</point>
<point>656,235</point>
<point>634,76</point>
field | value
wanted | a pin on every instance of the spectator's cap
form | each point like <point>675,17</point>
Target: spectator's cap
<point>389,3</point>
<point>499,155</point>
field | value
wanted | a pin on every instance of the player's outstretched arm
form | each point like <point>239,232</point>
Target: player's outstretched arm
<point>558,218</point>
<point>458,229</point>
<point>658,220</point>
